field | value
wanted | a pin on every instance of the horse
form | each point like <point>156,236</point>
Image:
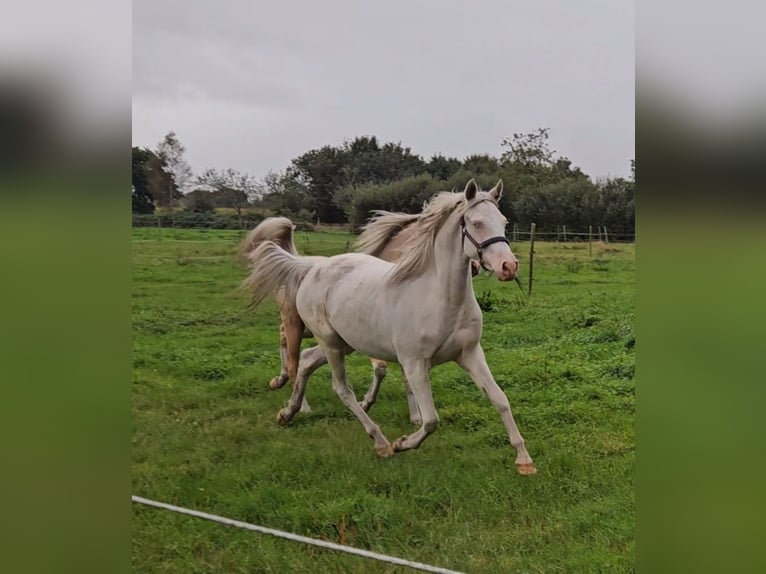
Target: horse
<point>382,237</point>
<point>420,311</point>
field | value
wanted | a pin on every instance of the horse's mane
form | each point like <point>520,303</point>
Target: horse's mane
<point>276,229</point>
<point>417,252</point>
<point>381,229</point>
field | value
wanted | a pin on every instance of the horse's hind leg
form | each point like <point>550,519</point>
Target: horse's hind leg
<point>379,372</point>
<point>379,369</point>
<point>280,381</point>
<point>336,358</point>
<point>417,375</point>
<point>294,327</point>
<point>311,359</point>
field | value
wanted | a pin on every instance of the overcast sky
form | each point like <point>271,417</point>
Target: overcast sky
<point>250,85</point>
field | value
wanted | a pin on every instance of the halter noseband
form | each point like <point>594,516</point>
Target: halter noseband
<point>484,244</point>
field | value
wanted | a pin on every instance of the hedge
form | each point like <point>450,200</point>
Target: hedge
<point>190,219</point>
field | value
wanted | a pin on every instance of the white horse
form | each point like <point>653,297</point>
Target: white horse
<point>420,311</point>
<point>280,230</point>
<point>382,237</point>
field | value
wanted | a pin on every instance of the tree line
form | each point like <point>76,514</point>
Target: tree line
<point>343,184</point>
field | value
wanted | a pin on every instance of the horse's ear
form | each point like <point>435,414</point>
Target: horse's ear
<point>497,191</point>
<point>470,190</point>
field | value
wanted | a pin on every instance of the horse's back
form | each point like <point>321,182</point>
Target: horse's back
<point>338,291</point>
<point>341,274</point>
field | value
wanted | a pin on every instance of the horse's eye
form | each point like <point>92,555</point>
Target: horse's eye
<point>478,224</point>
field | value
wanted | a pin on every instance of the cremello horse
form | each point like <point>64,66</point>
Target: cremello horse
<point>420,312</point>
<point>382,237</point>
<point>291,329</point>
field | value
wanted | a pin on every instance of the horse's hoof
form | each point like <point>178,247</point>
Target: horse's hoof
<point>365,406</point>
<point>274,383</point>
<point>384,451</point>
<point>282,420</point>
<point>526,468</point>
<point>397,446</point>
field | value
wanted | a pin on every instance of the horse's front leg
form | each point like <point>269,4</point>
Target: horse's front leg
<point>475,364</point>
<point>412,403</point>
<point>416,373</point>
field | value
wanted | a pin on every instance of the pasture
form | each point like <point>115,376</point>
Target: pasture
<point>205,433</point>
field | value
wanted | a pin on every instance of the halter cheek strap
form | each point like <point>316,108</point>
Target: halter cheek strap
<point>484,244</point>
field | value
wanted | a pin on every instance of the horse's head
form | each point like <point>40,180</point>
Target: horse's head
<point>483,229</point>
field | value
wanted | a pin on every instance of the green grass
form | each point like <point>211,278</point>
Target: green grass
<point>205,433</point>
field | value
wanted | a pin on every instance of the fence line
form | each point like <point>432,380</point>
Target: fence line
<point>170,240</point>
<point>515,233</point>
<point>295,537</point>
<point>615,237</point>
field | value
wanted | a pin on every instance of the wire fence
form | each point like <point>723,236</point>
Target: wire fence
<point>572,253</point>
<point>515,234</point>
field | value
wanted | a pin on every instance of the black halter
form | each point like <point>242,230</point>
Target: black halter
<point>484,244</point>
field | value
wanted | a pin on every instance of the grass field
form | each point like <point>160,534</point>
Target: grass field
<point>205,433</point>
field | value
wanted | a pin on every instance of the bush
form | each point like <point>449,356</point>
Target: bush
<point>405,195</point>
<point>191,219</point>
<point>199,201</point>
<point>487,301</point>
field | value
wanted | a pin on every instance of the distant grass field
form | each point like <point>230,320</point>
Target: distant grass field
<point>205,433</point>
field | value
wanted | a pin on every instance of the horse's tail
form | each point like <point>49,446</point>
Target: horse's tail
<point>276,229</point>
<point>274,269</point>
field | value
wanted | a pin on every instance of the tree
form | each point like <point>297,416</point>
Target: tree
<point>172,151</point>
<point>161,183</point>
<point>481,164</point>
<point>323,172</point>
<point>407,194</point>
<point>320,173</point>
<point>443,168</point>
<point>143,201</point>
<point>366,161</point>
<point>530,150</point>
<point>572,202</point>
<point>285,196</point>
<point>616,204</point>
<point>230,188</point>
<point>199,201</point>
<point>177,174</point>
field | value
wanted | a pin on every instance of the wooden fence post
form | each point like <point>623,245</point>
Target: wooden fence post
<point>531,256</point>
<point>515,232</point>
<point>606,235</point>
<point>590,241</point>
<point>159,227</point>
<point>565,234</point>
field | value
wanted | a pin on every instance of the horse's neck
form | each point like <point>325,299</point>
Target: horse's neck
<point>451,264</point>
